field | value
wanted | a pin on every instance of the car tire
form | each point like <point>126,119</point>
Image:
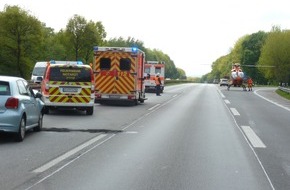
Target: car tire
<point>40,123</point>
<point>21,131</point>
<point>90,110</point>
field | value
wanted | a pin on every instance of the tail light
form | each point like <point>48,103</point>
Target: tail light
<point>98,96</point>
<point>92,82</point>
<point>131,97</point>
<point>46,80</point>
<point>46,86</point>
<point>12,103</point>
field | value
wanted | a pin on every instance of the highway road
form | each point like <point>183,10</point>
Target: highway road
<point>194,136</point>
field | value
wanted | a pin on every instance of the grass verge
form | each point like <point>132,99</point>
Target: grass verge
<point>283,94</point>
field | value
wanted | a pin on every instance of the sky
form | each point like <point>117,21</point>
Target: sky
<point>192,33</point>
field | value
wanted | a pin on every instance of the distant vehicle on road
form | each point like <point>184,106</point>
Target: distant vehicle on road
<point>151,69</point>
<point>224,82</point>
<point>21,107</point>
<point>38,71</point>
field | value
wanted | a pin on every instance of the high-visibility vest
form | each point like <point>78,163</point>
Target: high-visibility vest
<point>157,81</point>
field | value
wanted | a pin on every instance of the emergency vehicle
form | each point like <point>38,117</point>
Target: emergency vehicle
<point>68,84</point>
<point>152,68</point>
<point>119,74</point>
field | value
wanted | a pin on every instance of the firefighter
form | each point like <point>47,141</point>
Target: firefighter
<point>250,83</point>
<point>158,84</point>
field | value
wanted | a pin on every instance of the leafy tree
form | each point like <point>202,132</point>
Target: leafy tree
<point>82,36</point>
<point>20,34</point>
<point>52,48</point>
<point>275,52</point>
<point>94,35</point>
<point>75,31</point>
<point>251,48</point>
<point>181,73</point>
<point>129,42</point>
<point>150,55</point>
<point>170,68</point>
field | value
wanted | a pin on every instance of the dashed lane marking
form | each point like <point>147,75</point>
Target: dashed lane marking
<point>253,138</point>
<point>234,111</point>
<point>154,107</point>
<point>227,102</point>
<point>68,154</point>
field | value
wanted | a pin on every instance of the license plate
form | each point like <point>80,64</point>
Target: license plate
<point>114,96</point>
<point>70,90</point>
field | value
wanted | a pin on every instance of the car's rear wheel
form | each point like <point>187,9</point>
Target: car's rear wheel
<point>40,123</point>
<point>21,131</point>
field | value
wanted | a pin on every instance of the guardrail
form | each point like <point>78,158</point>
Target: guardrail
<point>284,89</point>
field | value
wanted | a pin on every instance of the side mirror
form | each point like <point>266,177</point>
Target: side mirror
<point>38,95</point>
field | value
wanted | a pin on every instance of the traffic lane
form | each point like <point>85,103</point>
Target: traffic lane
<point>62,131</point>
<point>271,124</point>
<point>111,116</point>
<point>19,159</point>
<point>189,143</point>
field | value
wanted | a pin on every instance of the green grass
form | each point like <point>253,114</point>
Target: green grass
<point>283,94</point>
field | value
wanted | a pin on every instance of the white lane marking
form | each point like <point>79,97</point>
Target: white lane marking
<point>68,154</point>
<point>131,132</point>
<point>220,92</point>
<point>252,148</point>
<point>154,107</point>
<point>281,106</point>
<point>253,138</point>
<point>227,102</point>
<point>234,111</point>
<point>174,96</point>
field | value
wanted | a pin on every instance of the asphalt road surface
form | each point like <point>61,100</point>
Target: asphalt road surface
<point>194,136</point>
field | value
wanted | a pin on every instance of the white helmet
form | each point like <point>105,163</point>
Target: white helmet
<point>158,74</point>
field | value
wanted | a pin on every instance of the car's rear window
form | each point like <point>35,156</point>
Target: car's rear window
<point>4,88</point>
<point>70,74</point>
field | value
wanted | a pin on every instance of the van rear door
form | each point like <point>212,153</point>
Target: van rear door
<point>70,84</point>
<point>116,72</point>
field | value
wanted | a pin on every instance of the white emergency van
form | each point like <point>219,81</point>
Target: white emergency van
<point>38,71</point>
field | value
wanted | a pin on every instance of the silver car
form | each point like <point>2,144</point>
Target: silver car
<point>21,107</point>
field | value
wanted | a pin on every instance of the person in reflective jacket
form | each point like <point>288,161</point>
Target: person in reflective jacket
<point>250,83</point>
<point>158,84</point>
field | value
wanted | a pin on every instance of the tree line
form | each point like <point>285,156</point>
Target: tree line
<point>24,40</point>
<point>263,56</point>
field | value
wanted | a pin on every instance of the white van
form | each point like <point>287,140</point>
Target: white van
<point>38,71</point>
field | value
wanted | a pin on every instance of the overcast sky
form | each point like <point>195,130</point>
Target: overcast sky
<point>193,33</point>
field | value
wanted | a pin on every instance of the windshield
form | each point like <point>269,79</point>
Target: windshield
<point>38,71</point>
